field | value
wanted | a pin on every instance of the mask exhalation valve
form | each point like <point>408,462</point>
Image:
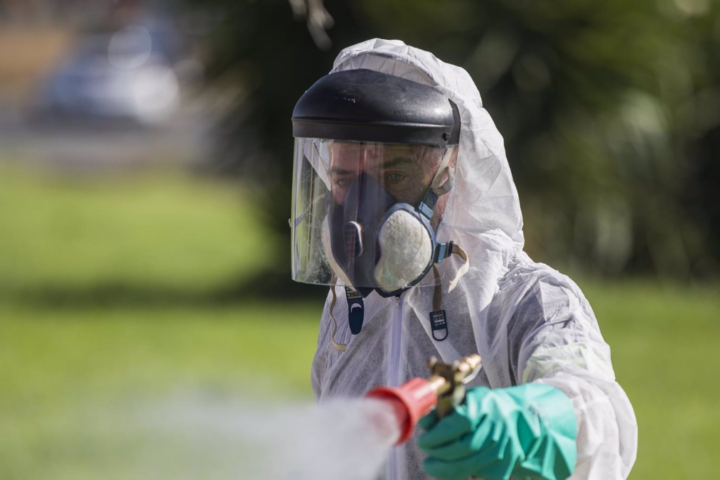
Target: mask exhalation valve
<point>352,234</point>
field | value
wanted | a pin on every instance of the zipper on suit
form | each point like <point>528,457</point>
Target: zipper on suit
<point>394,375</point>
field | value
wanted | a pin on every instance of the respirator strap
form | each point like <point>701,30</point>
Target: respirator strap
<point>444,167</point>
<point>338,346</point>
<point>455,249</point>
<point>437,292</point>
<point>438,319</point>
<point>443,251</point>
<point>427,204</point>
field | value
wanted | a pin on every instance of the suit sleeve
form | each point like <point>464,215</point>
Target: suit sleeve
<point>555,339</point>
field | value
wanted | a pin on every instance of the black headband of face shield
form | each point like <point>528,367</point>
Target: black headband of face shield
<point>368,106</point>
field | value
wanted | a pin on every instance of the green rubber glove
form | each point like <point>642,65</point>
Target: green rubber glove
<point>527,431</point>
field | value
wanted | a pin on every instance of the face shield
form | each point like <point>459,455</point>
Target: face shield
<point>374,158</point>
<point>364,214</point>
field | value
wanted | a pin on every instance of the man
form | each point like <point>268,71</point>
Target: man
<point>404,203</point>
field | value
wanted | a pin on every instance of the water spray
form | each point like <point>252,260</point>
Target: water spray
<point>444,389</point>
<point>348,438</point>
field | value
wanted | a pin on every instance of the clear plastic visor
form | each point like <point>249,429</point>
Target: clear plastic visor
<point>342,195</point>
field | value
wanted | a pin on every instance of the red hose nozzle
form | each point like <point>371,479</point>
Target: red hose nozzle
<point>411,401</point>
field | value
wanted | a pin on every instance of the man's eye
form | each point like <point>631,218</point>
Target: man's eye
<point>394,177</point>
<point>342,182</point>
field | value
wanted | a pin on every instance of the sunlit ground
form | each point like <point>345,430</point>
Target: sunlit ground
<point>114,293</point>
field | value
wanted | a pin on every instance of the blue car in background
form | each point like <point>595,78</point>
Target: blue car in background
<point>126,76</point>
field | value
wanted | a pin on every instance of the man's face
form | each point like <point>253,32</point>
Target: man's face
<point>404,171</point>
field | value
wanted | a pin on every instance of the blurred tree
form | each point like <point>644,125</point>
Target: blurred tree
<point>698,114</point>
<point>591,98</point>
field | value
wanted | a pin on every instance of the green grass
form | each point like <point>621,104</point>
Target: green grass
<point>665,351</point>
<point>106,302</point>
<point>162,230</point>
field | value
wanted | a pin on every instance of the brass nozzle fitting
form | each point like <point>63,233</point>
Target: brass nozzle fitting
<point>448,380</point>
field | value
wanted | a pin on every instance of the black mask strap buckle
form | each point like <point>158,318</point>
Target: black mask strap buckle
<point>356,310</point>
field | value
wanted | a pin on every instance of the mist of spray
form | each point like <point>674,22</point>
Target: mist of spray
<point>348,439</point>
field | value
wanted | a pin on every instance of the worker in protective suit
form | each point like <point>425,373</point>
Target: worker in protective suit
<point>405,205</point>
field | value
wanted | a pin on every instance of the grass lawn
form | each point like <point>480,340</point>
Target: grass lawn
<point>665,353</point>
<point>69,248</point>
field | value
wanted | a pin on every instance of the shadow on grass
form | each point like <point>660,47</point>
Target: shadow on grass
<point>275,287</point>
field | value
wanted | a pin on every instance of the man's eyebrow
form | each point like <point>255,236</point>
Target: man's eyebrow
<point>341,171</point>
<point>398,161</point>
<point>388,164</point>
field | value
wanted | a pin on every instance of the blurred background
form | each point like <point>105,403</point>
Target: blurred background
<point>145,164</point>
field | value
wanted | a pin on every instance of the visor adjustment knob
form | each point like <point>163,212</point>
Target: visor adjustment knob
<point>352,234</point>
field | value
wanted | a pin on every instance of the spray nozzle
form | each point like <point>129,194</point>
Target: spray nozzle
<point>443,389</point>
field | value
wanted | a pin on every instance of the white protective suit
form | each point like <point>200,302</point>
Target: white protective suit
<point>528,322</point>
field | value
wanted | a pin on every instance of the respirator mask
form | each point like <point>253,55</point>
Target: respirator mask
<point>378,231</point>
